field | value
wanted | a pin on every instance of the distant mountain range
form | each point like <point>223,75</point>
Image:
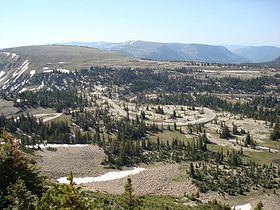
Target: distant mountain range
<point>187,52</point>
<point>18,65</point>
<point>274,63</point>
<point>258,54</point>
<point>168,51</point>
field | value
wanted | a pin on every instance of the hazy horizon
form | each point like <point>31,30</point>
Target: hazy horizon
<point>229,46</point>
<point>240,22</point>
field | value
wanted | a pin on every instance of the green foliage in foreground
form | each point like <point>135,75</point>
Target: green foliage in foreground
<point>73,197</point>
<point>20,180</point>
<point>22,187</point>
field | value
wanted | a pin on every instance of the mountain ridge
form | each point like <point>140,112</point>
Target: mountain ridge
<point>168,51</point>
<point>19,64</point>
<point>258,54</point>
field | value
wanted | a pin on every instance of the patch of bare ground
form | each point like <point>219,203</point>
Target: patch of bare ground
<point>85,161</point>
<point>158,179</point>
<point>270,200</point>
<point>259,130</point>
<point>7,108</point>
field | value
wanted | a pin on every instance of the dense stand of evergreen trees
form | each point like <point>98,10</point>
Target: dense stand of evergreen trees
<point>152,81</point>
<point>60,100</point>
<point>232,176</point>
<point>127,142</point>
<point>32,131</point>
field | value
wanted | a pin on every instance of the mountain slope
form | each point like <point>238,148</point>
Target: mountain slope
<point>18,65</point>
<point>169,51</point>
<point>70,57</point>
<point>274,63</point>
<point>259,54</point>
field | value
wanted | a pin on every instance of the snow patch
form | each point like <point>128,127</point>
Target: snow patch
<point>4,87</point>
<point>1,79</point>
<point>64,71</point>
<point>246,206</point>
<point>23,67</point>
<point>48,71</point>
<point>6,82</point>
<point>42,146</point>
<point>6,53</point>
<point>32,72</point>
<point>37,88</point>
<point>2,73</point>
<point>13,55</point>
<point>22,90</point>
<point>105,177</point>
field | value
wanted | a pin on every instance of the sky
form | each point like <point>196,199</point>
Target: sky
<point>221,22</point>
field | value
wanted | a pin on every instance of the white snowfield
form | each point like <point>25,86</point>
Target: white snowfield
<point>64,71</point>
<point>8,54</point>
<point>48,71</point>
<point>2,73</point>
<point>48,117</point>
<point>246,206</point>
<point>21,70</point>
<point>32,72</point>
<point>22,90</point>
<point>42,146</point>
<point>14,55</point>
<point>105,177</point>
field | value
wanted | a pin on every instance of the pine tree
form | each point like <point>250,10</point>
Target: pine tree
<point>128,190</point>
<point>225,132</point>
<point>191,172</point>
<point>259,206</point>
<point>158,143</point>
<point>234,129</point>
<point>275,134</point>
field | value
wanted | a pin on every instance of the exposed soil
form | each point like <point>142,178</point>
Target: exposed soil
<point>85,161</point>
<point>158,179</point>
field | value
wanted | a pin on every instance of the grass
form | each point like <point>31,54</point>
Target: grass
<point>261,157</point>
<point>270,144</point>
<point>167,135</point>
<point>7,108</point>
<point>62,118</point>
<point>253,197</point>
<point>258,157</point>
<point>216,148</point>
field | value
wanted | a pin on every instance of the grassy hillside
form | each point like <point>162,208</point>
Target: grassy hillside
<point>67,57</point>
